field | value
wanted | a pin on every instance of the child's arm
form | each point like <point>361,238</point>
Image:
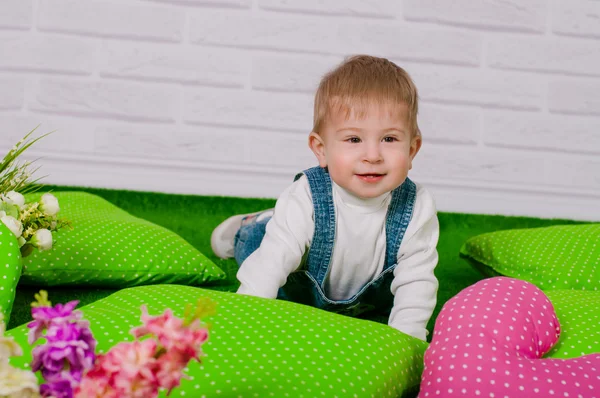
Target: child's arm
<point>415,285</point>
<point>287,236</point>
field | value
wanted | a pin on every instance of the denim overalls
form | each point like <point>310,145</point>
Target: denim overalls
<point>306,285</point>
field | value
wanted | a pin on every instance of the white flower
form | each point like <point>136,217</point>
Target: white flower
<point>9,348</point>
<point>17,383</point>
<point>13,224</point>
<point>16,198</point>
<point>2,214</point>
<point>49,204</point>
<point>42,239</point>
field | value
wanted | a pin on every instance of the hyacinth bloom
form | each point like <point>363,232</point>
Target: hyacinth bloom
<point>68,342</point>
<point>127,370</point>
<point>172,333</point>
<point>69,349</point>
<point>59,388</point>
<point>44,315</point>
<point>142,368</point>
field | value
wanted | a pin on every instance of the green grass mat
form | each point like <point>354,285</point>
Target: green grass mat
<point>194,218</point>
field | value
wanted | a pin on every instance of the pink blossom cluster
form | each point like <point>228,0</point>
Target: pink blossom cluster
<point>143,367</point>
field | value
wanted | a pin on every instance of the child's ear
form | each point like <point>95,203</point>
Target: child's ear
<point>317,145</point>
<point>415,145</point>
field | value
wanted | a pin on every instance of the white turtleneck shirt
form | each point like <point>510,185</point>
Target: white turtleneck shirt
<point>358,253</point>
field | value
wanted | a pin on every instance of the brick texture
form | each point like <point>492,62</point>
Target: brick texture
<point>106,99</point>
<point>112,19</point>
<point>38,53</point>
<point>577,18</point>
<point>568,56</point>
<point>358,8</point>
<point>13,92</point>
<point>511,15</point>
<point>16,14</point>
<point>216,97</point>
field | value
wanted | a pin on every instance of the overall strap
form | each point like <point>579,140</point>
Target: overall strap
<point>399,215</point>
<point>321,248</point>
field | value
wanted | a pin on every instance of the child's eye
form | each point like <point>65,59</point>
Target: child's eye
<point>353,140</point>
<point>390,139</point>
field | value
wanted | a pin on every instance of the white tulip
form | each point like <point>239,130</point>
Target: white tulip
<point>49,204</point>
<point>13,224</point>
<point>42,239</point>
<point>2,214</point>
<point>16,198</point>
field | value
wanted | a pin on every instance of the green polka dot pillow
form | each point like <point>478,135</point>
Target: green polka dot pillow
<point>108,247</point>
<point>10,269</point>
<point>267,348</point>
<point>558,257</point>
<point>579,319</point>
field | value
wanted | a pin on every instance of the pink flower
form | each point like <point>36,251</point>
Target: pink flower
<point>128,361</point>
<point>172,333</point>
<point>138,387</point>
<point>95,384</point>
<point>127,370</point>
<point>166,328</point>
<point>170,370</point>
<point>139,369</point>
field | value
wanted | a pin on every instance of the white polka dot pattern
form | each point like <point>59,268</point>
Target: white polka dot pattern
<point>489,340</point>
<point>108,247</point>
<point>269,348</point>
<point>10,269</point>
<point>558,257</point>
<point>579,316</point>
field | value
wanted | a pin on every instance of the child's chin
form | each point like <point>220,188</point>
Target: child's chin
<point>367,194</point>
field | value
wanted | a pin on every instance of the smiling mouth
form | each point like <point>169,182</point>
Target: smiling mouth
<point>370,177</point>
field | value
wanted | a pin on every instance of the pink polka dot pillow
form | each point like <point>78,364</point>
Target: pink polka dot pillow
<point>489,341</point>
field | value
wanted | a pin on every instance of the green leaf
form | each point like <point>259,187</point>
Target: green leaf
<point>10,210</point>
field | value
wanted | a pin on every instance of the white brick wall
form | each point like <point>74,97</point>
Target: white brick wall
<point>509,15</point>
<point>215,96</point>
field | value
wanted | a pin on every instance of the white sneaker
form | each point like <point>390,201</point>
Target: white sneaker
<point>223,237</point>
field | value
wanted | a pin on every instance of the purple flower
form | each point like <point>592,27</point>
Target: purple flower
<point>45,316</point>
<point>60,388</point>
<point>68,350</point>
<point>69,345</point>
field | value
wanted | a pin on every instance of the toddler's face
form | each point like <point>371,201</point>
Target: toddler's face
<point>369,155</point>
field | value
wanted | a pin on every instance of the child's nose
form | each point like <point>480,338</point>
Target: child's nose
<point>373,153</point>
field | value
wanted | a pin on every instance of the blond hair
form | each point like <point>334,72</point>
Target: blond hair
<point>361,81</point>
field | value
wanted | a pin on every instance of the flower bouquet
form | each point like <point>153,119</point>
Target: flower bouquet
<point>32,222</point>
<point>70,367</point>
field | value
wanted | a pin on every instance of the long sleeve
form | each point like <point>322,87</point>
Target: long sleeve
<point>415,285</point>
<point>287,236</point>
